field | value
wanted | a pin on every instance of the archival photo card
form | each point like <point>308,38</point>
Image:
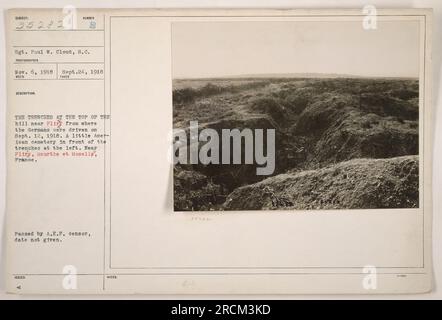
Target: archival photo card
<point>227,151</point>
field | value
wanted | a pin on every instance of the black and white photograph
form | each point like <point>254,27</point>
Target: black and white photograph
<point>224,150</point>
<point>295,115</point>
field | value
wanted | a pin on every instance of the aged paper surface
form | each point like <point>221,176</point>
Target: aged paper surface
<point>327,189</point>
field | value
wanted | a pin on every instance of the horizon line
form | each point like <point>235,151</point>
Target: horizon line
<point>293,75</point>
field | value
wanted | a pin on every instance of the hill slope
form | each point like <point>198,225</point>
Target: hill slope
<point>353,184</point>
<point>318,123</point>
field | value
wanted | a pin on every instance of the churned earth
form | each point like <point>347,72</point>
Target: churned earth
<point>341,143</point>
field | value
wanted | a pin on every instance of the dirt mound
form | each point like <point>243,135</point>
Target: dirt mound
<point>358,183</point>
<point>271,107</point>
<point>194,191</point>
<point>386,105</point>
<point>340,128</point>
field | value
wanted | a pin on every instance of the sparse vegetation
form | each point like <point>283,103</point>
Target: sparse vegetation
<point>353,184</point>
<point>340,143</point>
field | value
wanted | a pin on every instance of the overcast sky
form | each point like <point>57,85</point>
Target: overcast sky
<point>216,49</point>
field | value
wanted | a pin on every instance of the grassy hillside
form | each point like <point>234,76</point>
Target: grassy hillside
<point>353,184</point>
